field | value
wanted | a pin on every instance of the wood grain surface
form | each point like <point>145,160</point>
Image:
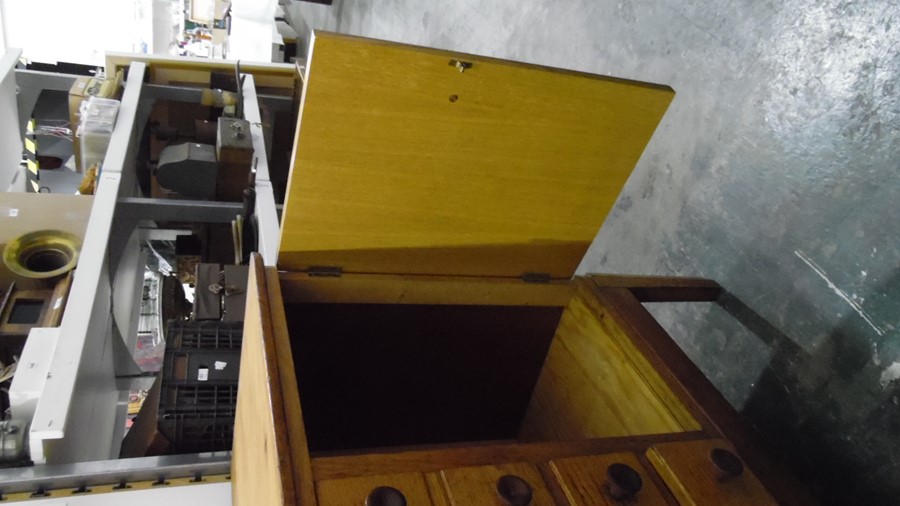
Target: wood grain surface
<point>430,459</point>
<point>584,480</point>
<point>477,486</point>
<point>353,491</point>
<point>261,462</point>
<point>295,426</point>
<point>590,387</point>
<point>405,165</point>
<point>688,471</point>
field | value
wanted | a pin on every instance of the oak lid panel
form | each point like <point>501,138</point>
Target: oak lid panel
<point>405,165</point>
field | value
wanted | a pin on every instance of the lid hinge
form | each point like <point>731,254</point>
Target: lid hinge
<point>324,271</point>
<point>536,277</point>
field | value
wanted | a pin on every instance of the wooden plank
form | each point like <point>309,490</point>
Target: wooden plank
<point>400,460</point>
<point>261,461</point>
<point>296,430</point>
<point>386,289</point>
<point>57,302</point>
<point>585,484</point>
<point>165,69</point>
<point>589,387</point>
<point>663,288</point>
<point>436,489</point>
<point>353,491</point>
<point>688,471</point>
<point>697,392</point>
<point>477,486</point>
<point>680,406</point>
<point>405,165</point>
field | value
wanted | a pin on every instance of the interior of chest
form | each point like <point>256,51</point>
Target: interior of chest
<point>425,364</point>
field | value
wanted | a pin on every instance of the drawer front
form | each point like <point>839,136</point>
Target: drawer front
<point>478,486</point>
<point>689,471</point>
<point>585,481</point>
<point>354,491</point>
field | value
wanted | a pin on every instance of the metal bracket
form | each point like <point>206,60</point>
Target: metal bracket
<point>536,277</point>
<point>324,271</point>
<point>460,65</point>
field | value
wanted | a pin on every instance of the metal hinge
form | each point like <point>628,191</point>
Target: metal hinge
<point>325,271</point>
<point>536,277</point>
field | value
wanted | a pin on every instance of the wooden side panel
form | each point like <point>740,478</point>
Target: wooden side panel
<point>686,413</point>
<point>405,165</point>
<point>261,461</point>
<point>584,480</point>
<point>477,486</point>
<point>353,491</point>
<point>688,471</point>
<point>696,391</point>
<point>589,387</point>
<point>296,428</point>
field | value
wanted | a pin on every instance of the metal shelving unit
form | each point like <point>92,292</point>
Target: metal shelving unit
<point>78,424</point>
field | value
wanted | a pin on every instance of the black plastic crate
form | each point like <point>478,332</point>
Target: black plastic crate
<point>200,353</point>
<point>203,335</point>
<point>198,432</point>
<point>198,396</point>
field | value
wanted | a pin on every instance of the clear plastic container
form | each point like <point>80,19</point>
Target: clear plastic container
<point>98,118</point>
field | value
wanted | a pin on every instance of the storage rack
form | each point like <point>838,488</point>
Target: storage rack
<point>78,424</point>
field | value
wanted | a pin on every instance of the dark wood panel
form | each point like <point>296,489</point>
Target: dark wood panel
<point>663,288</point>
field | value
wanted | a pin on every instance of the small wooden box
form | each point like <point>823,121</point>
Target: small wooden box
<point>422,329</point>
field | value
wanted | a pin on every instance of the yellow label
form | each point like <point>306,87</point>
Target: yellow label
<point>33,166</point>
<point>30,146</point>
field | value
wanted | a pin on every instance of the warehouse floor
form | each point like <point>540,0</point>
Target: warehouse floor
<point>775,172</point>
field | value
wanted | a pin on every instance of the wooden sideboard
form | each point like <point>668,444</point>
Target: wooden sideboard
<point>614,389</point>
<point>422,339</point>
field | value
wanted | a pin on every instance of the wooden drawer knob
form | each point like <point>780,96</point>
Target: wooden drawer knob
<point>727,464</point>
<point>385,496</point>
<point>623,481</point>
<point>514,490</point>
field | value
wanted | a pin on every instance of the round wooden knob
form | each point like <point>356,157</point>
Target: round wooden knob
<point>514,490</point>
<point>623,481</point>
<point>727,464</point>
<point>385,496</point>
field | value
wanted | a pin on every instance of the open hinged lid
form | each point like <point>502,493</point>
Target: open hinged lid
<point>418,161</point>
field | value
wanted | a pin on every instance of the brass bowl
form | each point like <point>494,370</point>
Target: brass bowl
<point>43,254</point>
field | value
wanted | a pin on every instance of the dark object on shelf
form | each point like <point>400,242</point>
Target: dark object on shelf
<point>22,310</point>
<point>234,152</point>
<point>188,169</point>
<point>235,292</point>
<point>207,302</point>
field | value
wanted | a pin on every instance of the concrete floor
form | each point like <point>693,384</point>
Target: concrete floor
<point>775,172</point>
